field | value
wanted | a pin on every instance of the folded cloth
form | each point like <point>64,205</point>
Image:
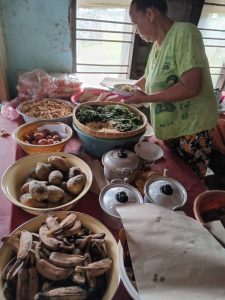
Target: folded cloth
<point>173,256</point>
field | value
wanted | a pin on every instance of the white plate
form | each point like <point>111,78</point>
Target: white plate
<point>148,151</point>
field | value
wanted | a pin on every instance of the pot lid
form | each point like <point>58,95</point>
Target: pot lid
<point>117,194</point>
<point>166,192</point>
<point>121,159</point>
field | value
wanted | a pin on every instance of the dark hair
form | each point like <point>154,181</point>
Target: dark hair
<point>143,5</point>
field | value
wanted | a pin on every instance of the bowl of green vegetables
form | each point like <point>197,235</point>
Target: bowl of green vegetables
<point>103,126</point>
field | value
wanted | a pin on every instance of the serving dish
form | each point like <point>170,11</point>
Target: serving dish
<point>148,151</point>
<point>33,225</point>
<point>124,90</point>
<point>96,146</point>
<point>88,95</point>
<point>28,129</point>
<point>109,123</point>
<point>15,176</point>
<point>42,111</point>
<point>210,206</point>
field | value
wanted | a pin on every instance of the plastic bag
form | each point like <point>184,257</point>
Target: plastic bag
<point>65,85</point>
<point>35,84</point>
<point>38,84</point>
<point>8,112</point>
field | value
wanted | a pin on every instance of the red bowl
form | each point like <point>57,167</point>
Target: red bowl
<point>93,91</point>
<point>208,201</point>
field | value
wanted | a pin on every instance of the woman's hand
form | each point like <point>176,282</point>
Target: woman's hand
<point>137,98</point>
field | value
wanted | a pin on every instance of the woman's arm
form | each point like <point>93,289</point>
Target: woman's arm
<point>189,85</point>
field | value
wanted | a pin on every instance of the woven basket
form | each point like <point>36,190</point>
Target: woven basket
<point>106,134</point>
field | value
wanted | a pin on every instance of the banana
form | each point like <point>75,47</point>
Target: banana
<point>82,243</point>
<point>78,278</point>
<point>50,271</point>
<point>98,235</point>
<point>66,248</point>
<point>65,224</point>
<point>33,279</point>
<point>72,230</point>
<point>96,268</point>
<point>7,268</point>
<point>66,260</point>
<point>22,284</point>
<point>13,241</point>
<point>52,222</point>
<point>25,244</point>
<point>64,293</point>
<point>49,242</point>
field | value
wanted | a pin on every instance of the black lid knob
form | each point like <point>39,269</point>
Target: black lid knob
<point>166,189</point>
<point>122,197</point>
<point>122,153</point>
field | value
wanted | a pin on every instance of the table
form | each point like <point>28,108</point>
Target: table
<point>11,216</point>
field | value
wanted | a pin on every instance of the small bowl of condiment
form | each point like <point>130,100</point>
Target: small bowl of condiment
<point>124,90</point>
<point>148,151</point>
<point>42,136</point>
<point>210,206</point>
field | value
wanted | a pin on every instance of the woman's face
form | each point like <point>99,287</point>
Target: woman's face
<point>144,22</point>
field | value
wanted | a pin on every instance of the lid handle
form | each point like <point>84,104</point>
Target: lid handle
<point>122,153</point>
<point>167,189</point>
<point>121,197</point>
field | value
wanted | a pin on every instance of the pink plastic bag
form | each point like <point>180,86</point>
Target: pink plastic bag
<point>35,84</point>
<point>38,84</point>
<point>8,112</point>
<point>65,85</point>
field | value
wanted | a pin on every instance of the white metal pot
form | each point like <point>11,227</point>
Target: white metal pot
<point>114,195</point>
<point>121,164</point>
<point>165,191</point>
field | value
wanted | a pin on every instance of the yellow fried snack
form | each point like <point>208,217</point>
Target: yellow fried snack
<point>144,176</point>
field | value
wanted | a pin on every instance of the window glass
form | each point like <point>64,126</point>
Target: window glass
<point>104,37</point>
<point>212,27</point>
<point>93,52</point>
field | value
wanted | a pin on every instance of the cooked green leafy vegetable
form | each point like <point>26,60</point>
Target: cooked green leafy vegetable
<point>120,117</point>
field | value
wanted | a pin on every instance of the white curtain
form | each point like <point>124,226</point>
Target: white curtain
<point>103,3</point>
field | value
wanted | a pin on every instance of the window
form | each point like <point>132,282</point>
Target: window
<point>212,27</point>
<point>103,40</point>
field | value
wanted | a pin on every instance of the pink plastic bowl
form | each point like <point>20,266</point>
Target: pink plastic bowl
<point>95,92</point>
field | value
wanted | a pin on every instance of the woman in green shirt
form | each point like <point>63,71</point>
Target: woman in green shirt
<point>176,83</point>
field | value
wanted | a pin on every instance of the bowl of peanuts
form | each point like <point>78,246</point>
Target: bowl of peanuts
<point>42,136</point>
<point>46,109</point>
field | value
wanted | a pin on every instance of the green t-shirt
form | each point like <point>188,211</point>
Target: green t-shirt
<point>182,50</point>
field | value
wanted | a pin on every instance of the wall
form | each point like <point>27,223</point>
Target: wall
<point>3,85</point>
<point>37,35</point>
